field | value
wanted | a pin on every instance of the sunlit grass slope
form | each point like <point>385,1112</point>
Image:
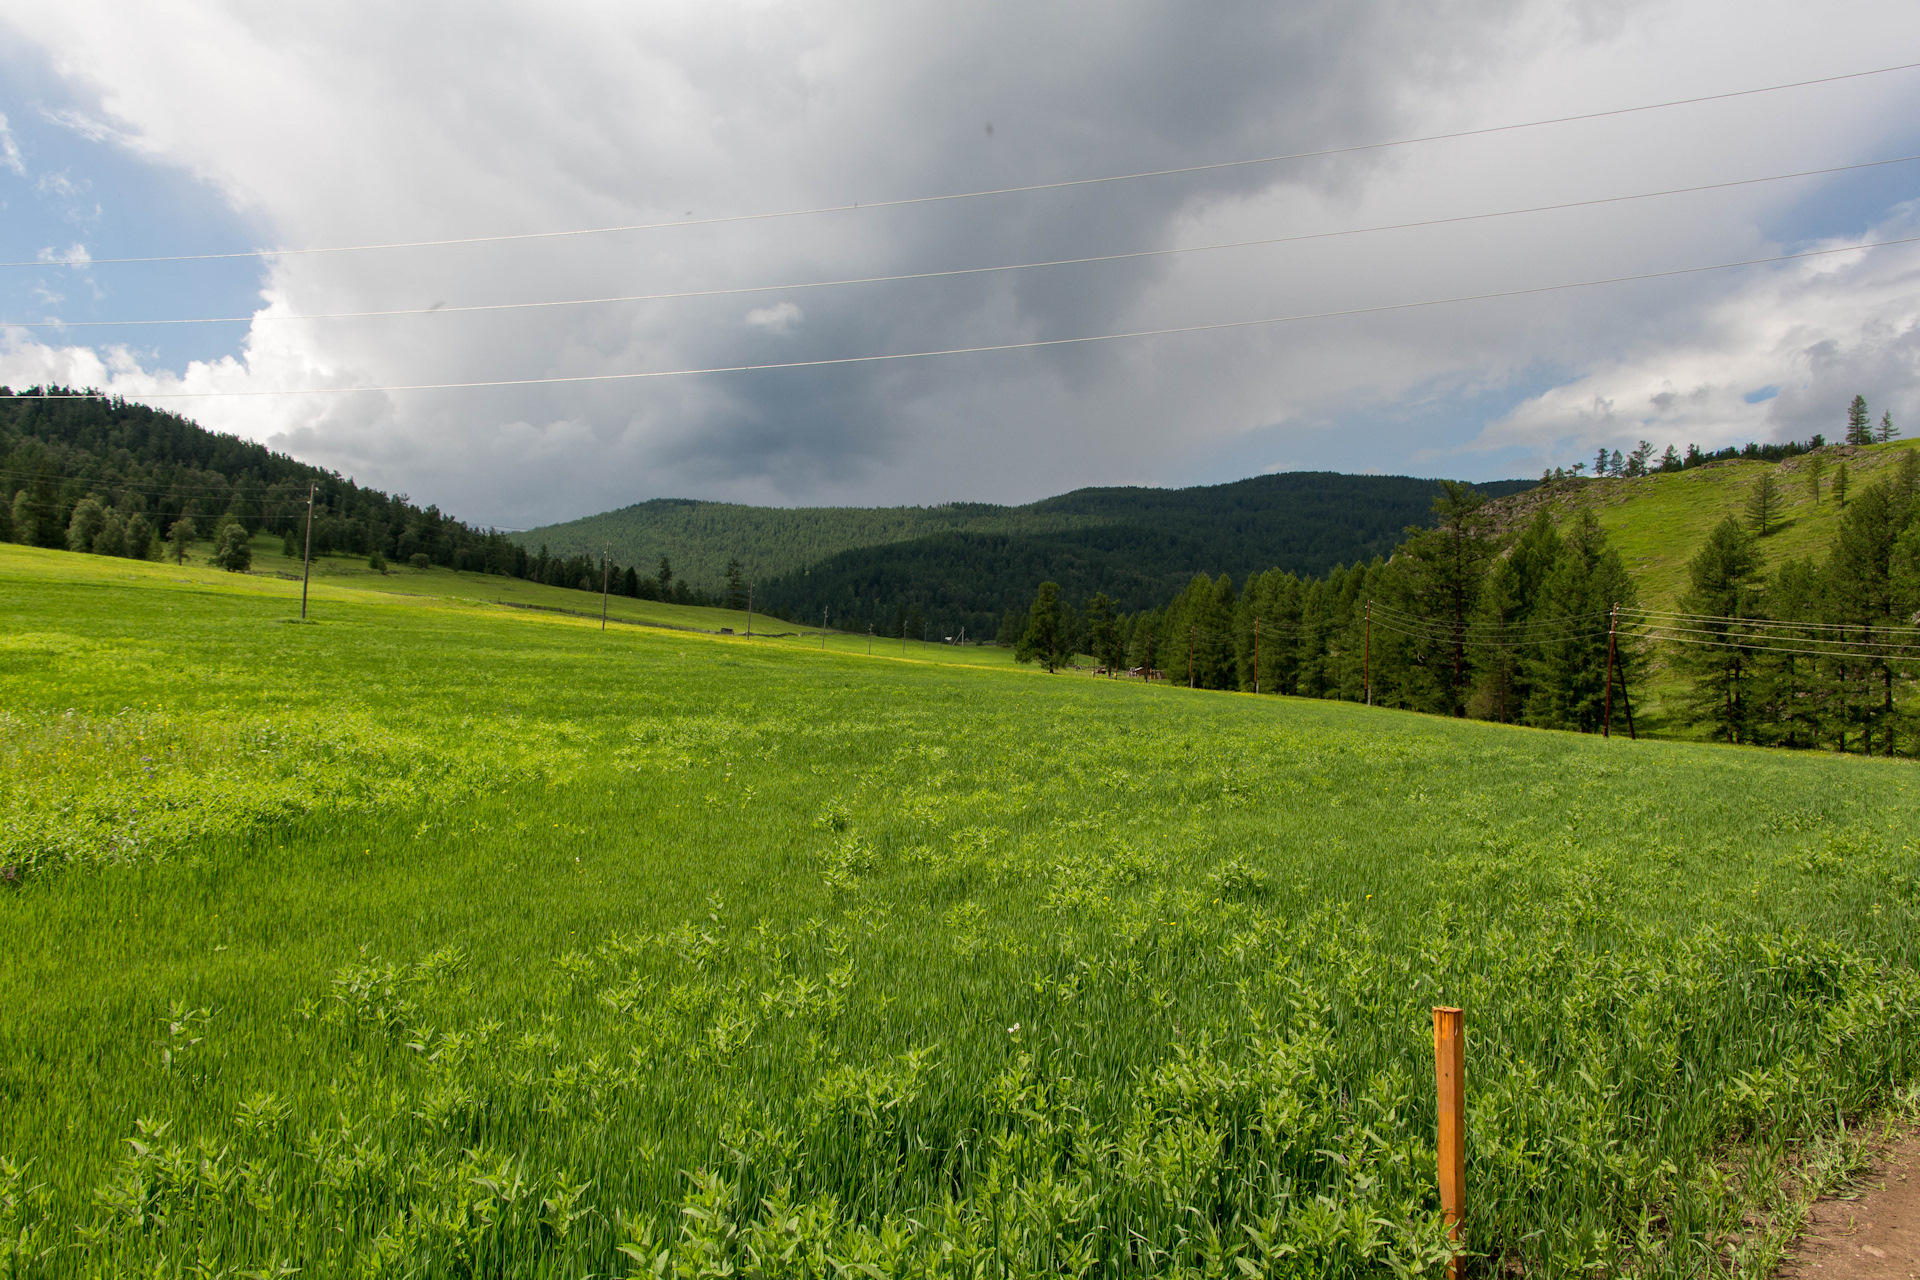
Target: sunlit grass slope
<point>438,938</point>
<point>1659,522</point>
<point>351,572</point>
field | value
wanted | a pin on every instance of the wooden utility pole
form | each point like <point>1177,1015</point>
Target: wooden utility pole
<point>1256,655</point>
<point>869,639</point>
<point>823,628</point>
<point>606,564</point>
<point>1606,721</point>
<point>1366,657</point>
<point>1450,1077</point>
<point>306,554</point>
<point>1190,631</point>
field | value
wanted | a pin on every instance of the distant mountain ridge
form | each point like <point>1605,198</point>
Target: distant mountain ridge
<point>966,563</point>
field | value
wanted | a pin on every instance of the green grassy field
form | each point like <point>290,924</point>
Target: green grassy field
<point>438,938</point>
<point>479,588</point>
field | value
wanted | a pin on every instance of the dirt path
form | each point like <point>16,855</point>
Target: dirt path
<point>1873,1236</point>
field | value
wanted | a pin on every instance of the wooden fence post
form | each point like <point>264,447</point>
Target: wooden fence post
<point>1449,1070</point>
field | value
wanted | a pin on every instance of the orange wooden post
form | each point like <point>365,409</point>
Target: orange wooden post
<point>1450,1075</point>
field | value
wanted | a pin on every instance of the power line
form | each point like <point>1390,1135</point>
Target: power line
<point>1062,184</point>
<point>949,273</point>
<point>1775,622</point>
<point>1032,344</point>
<point>1766,648</point>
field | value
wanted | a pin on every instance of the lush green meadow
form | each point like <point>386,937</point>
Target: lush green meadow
<point>440,938</point>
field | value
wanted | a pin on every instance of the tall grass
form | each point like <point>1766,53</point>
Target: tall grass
<point>431,941</point>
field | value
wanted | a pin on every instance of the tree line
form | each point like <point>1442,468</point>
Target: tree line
<point>1543,625</point>
<point>82,472</point>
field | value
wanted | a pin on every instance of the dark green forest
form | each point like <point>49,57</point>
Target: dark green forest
<point>1137,545</point>
<point>1305,521</point>
<point>84,472</point>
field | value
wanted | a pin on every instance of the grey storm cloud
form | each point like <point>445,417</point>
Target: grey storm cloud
<point>357,123</point>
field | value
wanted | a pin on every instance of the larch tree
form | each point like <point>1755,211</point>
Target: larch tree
<point>1859,422</point>
<point>1445,572</point>
<point>1725,592</point>
<point>1763,504</point>
<point>1044,640</point>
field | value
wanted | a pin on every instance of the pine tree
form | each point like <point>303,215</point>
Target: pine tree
<point>180,539</point>
<point>1616,465</point>
<point>1840,485</point>
<point>1864,570</point>
<point>1045,638</point>
<point>1569,664</point>
<point>112,538</point>
<point>1670,460</point>
<point>1102,635</point>
<point>665,579</point>
<point>231,549</point>
<point>736,585</point>
<point>1444,574</point>
<point>1513,596</point>
<point>1887,430</point>
<point>1718,654</point>
<point>1763,504</point>
<point>85,524</point>
<point>1859,423</point>
<point>1815,465</point>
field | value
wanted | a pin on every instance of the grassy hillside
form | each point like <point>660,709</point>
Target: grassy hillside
<point>441,938</point>
<point>1304,521</point>
<point>1659,522</point>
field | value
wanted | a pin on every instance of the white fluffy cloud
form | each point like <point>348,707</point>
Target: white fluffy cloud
<point>360,123</point>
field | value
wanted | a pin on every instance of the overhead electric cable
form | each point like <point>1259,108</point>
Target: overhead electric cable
<point>900,277</point>
<point>1761,648</point>
<point>987,348</point>
<point>1025,188</point>
<point>1774,622</point>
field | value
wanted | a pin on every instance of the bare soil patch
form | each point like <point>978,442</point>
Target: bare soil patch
<point>1871,1233</point>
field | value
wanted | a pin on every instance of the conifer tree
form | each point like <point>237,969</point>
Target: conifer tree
<point>1763,504</point>
<point>1887,430</point>
<point>1859,423</point>
<point>1045,638</point>
<point>1513,596</point>
<point>140,540</point>
<point>180,539</point>
<point>1102,635</point>
<point>1724,592</point>
<point>1867,593</point>
<point>1569,673</point>
<point>736,584</point>
<point>111,540</point>
<point>1815,465</point>
<point>1445,571</point>
<point>84,526</point>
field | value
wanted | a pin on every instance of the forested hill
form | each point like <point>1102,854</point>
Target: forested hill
<point>146,469</point>
<point>1129,542</point>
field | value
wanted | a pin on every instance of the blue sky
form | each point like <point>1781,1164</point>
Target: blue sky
<point>207,130</point>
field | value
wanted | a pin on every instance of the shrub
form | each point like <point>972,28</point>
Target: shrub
<point>419,560</point>
<point>377,562</point>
